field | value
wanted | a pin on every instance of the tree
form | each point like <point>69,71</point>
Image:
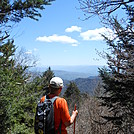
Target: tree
<point>17,102</point>
<point>101,8</point>
<point>5,64</point>
<point>47,76</point>
<point>15,11</point>
<point>39,84</point>
<point>18,92</point>
<point>118,78</point>
<point>45,80</point>
<point>72,95</point>
<point>12,79</point>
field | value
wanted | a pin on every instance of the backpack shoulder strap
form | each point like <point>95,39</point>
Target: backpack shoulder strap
<point>54,98</point>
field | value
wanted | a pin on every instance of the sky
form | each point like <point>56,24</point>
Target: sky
<point>62,36</point>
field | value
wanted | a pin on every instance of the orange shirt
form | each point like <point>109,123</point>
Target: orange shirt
<point>61,113</point>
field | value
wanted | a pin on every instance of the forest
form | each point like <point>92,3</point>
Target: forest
<point>110,110</point>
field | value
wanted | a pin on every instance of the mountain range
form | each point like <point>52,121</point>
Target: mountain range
<point>85,77</point>
<point>71,72</point>
<point>85,85</point>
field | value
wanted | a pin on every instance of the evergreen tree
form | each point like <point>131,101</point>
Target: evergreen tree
<point>5,64</point>
<point>15,11</point>
<point>12,79</point>
<point>118,79</point>
<point>44,81</point>
<point>72,95</point>
<point>47,76</point>
<point>17,100</point>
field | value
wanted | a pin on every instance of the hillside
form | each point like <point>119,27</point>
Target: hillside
<point>88,84</point>
<point>85,85</point>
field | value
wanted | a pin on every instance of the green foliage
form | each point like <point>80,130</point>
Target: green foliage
<point>18,95</point>
<point>47,76</point>
<point>12,81</point>
<point>5,80</point>
<point>6,51</point>
<point>118,80</point>
<point>18,9</point>
<point>40,83</point>
<point>15,11</point>
<point>72,95</point>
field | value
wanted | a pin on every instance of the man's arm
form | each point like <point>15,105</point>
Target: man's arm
<point>73,116</point>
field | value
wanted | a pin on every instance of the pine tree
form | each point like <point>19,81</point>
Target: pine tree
<point>45,80</point>
<point>17,10</point>
<point>12,12</point>
<point>12,79</point>
<point>17,102</point>
<point>118,79</point>
<point>39,85</point>
<point>47,76</point>
<point>72,95</point>
<point>6,51</point>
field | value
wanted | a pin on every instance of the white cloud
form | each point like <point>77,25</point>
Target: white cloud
<point>73,28</point>
<point>56,38</point>
<point>96,34</point>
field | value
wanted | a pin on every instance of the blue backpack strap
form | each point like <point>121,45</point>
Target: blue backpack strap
<point>53,99</point>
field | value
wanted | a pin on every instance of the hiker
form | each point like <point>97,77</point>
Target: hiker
<point>62,117</point>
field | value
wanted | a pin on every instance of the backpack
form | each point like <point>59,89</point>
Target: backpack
<point>44,118</point>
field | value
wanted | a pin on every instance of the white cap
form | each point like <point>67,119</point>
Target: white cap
<point>56,82</point>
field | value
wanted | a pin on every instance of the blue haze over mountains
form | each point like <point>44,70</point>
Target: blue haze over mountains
<point>72,72</point>
<point>85,77</point>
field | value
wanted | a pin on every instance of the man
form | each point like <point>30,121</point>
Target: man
<point>61,112</point>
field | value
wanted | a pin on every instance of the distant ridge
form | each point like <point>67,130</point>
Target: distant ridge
<point>71,72</point>
<point>85,77</point>
<point>70,75</point>
<point>92,69</point>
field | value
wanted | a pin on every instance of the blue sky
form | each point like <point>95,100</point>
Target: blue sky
<point>61,37</point>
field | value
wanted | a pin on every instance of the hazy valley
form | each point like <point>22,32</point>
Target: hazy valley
<point>85,77</point>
